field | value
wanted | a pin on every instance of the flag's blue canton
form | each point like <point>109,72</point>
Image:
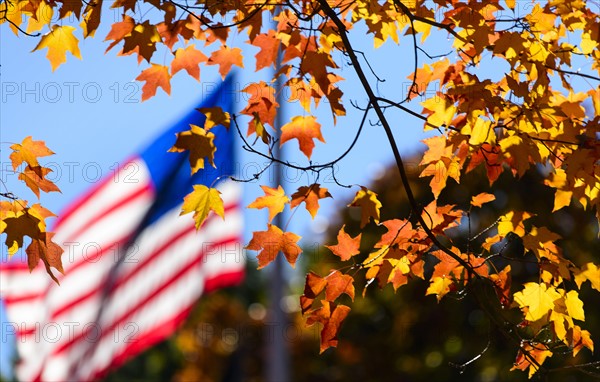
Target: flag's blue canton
<point>171,171</point>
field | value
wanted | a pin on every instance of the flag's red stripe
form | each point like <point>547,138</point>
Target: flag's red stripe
<point>21,298</point>
<point>223,280</point>
<point>13,266</point>
<point>81,201</point>
<point>182,271</point>
<point>26,332</point>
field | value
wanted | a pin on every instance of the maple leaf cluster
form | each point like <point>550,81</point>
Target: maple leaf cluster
<point>531,114</point>
<point>18,220</point>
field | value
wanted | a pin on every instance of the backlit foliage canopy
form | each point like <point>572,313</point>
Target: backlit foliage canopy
<point>529,114</point>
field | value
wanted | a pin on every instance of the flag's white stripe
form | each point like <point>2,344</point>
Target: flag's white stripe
<point>123,182</point>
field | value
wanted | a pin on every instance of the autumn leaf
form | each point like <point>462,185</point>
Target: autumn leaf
<point>369,204</point>
<point>331,316</point>
<point>226,57</point>
<point>313,286</point>
<point>201,201</point>
<point>262,103</point>
<point>16,227</point>
<point>338,283</point>
<point>59,41</point>
<point>200,144</point>
<point>28,151</point>
<point>188,59</point>
<point>269,45</point>
<point>274,200</point>
<point>215,116</point>
<point>537,351</point>
<point>120,30</point>
<point>43,248</point>
<point>271,242</point>
<point>155,76</point>
<point>310,195</point>
<point>142,39</point>
<point>502,281</point>
<point>304,129</point>
<point>346,246</point>
<point>562,198</point>
<point>480,199</point>
<point>259,128</point>
<point>35,179</point>
<point>439,286</point>
<point>539,300</point>
<point>91,20</point>
<point>589,271</point>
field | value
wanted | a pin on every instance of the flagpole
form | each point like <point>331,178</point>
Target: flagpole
<point>277,362</point>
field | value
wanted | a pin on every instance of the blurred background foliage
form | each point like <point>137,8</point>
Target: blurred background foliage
<point>388,336</point>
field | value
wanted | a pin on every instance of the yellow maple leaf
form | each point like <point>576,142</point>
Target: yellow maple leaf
<point>589,272</point>
<point>441,111</point>
<point>440,286</point>
<point>574,305</point>
<point>562,199</point>
<point>215,116</point>
<point>482,132</point>
<point>274,199</point>
<point>369,204</point>
<point>59,41</point>
<point>201,201</point>
<point>539,300</point>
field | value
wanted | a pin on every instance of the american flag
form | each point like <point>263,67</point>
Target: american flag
<point>133,267</point>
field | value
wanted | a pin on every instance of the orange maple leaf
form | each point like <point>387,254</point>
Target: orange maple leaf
<point>119,30</point>
<point>274,199</point>
<point>313,286</point>
<point>225,58</point>
<point>28,151</point>
<point>155,76</point>
<point>261,102</point>
<point>480,199</point>
<point>331,316</point>
<point>269,46</point>
<point>271,242</point>
<point>346,246</point>
<point>188,59</point>
<point>311,195</point>
<point>43,248</point>
<point>304,129</point>
<point>35,179</point>
<point>338,283</point>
